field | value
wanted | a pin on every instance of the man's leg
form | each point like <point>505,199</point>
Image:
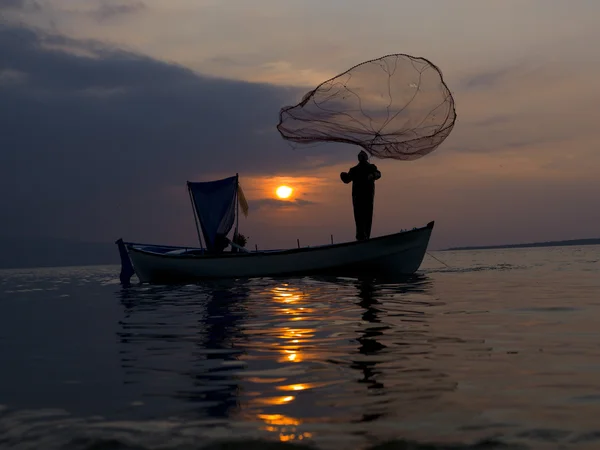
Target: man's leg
<point>359,218</point>
<point>368,217</point>
<point>356,209</point>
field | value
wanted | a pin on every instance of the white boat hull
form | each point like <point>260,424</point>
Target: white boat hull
<point>398,254</point>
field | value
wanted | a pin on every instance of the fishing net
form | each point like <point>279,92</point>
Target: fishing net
<point>397,106</point>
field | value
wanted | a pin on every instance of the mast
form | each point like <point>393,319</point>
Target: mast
<point>195,216</point>
<point>237,201</point>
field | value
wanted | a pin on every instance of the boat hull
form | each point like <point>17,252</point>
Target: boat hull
<point>395,254</point>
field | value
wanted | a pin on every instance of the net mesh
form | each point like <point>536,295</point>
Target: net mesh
<point>397,106</point>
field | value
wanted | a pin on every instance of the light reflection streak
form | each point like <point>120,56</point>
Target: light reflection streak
<point>291,344</point>
<point>284,426</point>
<point>274,400</point>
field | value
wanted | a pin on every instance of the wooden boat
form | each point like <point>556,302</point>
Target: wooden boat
<point>395,254</point>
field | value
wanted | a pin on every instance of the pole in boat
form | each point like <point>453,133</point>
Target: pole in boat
<point>332,239</point>
<point>237,200</point>
<point>195,215</point>
<point>298,240</point>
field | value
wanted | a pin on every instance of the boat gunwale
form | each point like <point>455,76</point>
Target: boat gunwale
<point>131,248</point>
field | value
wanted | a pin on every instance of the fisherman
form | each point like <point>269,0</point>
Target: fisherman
<point>363,177</point>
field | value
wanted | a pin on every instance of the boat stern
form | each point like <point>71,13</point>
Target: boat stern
<point>127,270</point>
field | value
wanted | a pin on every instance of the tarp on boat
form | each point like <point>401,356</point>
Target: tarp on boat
<point>215,205</point>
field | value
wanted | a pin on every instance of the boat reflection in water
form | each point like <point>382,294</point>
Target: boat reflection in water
<point>394,329</point>
<point>282,356</point>
<point>179,344</point>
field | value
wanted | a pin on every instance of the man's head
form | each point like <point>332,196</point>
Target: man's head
<point>363,156</point>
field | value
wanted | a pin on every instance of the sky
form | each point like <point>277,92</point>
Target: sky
<point>110,106</point>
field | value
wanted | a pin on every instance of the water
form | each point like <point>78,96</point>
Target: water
<point>500,346</point>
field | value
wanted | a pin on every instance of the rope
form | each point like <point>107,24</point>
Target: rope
<point>439,260</point>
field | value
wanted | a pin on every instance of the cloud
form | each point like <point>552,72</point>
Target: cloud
<point>109,9</point>
<point>491,121</point>
<point>20,5</point>
<point>526,107</point>
<point>279,204</point>
<point>488,79</point>
<point>92,136</point>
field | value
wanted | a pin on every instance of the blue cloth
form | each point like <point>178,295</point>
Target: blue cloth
<point>215,206</point>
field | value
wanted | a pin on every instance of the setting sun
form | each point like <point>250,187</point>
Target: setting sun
<point>283,191</point>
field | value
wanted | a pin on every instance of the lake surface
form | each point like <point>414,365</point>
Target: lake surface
<point>499,345</point>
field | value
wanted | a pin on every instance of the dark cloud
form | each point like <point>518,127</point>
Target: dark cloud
<point>493,121</point>
<point>93,138</point>
<point>487,79</point>
<point>274,203</point>
<point>22,5</point>
<point>109,10</point>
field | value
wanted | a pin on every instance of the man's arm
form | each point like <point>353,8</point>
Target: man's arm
<point>375,174</point>
<point>346,176</point>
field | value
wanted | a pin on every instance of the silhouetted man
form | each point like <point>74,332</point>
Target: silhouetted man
<point>363,177</point>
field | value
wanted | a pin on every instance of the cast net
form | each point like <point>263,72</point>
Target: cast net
<point>397,106</point>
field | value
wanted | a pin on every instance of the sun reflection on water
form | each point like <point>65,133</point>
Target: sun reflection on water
<point>291,344</point>
<point>283,425</point>
<point>291,348</point>
<point>274,400</point>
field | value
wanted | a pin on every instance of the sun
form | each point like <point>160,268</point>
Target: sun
<point>284,191</point>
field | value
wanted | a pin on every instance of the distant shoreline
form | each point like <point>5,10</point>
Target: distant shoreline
<point>568,243</point>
